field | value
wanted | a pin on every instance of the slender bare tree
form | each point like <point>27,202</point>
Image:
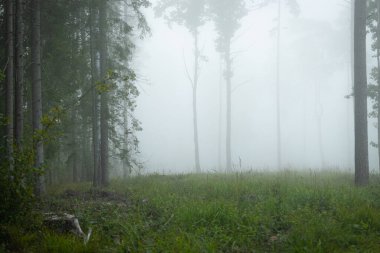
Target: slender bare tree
<point>294,8</point>
<point>191,14</point>
<point>226,15</point>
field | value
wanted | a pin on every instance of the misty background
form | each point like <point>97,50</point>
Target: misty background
<point>315,80</point>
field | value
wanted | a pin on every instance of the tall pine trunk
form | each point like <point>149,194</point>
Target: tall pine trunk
<point>95,97</point>
<point>104,110</point>
<point>360,92</point>
<point>36,94</point>
<point>9,88</point>
<point>278,94</point>
<point>319,114</point>
<point>19,97</point>
<point>378,80</point>
<point>220,115</point>
<point>195,89</point>
<point>74,149</point>
<point>228,76</point>
<point>126,160</point>
<point>350,85</point>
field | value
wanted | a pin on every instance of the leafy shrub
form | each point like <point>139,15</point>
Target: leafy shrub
<point>16,186</point>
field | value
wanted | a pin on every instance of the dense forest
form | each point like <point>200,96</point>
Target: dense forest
<point>72,177</point>
<point>69,91</point>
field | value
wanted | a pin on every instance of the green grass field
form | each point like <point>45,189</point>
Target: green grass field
<point>243,212</point>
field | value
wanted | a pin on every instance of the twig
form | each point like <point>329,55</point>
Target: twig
<point>186,69</point>
<point>168,221</point>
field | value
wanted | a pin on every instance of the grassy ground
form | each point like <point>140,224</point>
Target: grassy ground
<point>248,212</point>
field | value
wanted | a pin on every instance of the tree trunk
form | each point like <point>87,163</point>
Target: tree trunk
<point>228,76</point>
<point>352,43</point>
<point>278,97</point>
<point>220,115</point>
<point>319,114</point>
<point>95,98</point>
<point>19,97</point>
<point>195,115</point>
<point>74,151</point>
<point>378,80</point>
<point>9,88</point>
<point>104,110</point>
<point>126,161</point>
<point>36,93</point>
<point>75,128</point>
<point>350,85</point>
<point>360,91</point>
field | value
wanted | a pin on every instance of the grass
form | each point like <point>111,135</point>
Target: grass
<point>242,212</point>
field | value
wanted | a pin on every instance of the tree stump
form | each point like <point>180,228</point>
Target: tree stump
<point>66,223</point>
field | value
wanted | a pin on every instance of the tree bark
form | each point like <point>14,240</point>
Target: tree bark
<point>195,114</point>
<point>95,98</point>
<point>278,94</point>
<point>319,114</point>
<point>19,97</point>
<point>378,80</point>
<point>350,85</point>
<point>74,150</point>
<point>220,115</point>
<point>228,76</point>
<point>36,94</point>
<point>9,88</point>
<point>104,110</point>
<point>126,161</point>
<point>74,131</point>
<point>360,93</point>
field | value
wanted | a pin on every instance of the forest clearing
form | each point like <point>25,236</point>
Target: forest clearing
<point>243,212</point>
<point>190,126</point>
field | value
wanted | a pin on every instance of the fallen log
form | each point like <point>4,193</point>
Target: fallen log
<point>66,223</point>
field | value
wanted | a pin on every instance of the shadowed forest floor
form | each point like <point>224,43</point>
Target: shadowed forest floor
<point>242,212</point>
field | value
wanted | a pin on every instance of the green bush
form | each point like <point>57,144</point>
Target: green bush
<point>16,186</point>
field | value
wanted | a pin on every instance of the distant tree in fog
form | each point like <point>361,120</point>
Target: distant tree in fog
<point>328,56</point>
<point>360,94</point>
<point>190,14</point>
<point>294,8</point>
<point>226,15</point>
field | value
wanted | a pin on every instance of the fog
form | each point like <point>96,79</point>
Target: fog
<point>315,78</point>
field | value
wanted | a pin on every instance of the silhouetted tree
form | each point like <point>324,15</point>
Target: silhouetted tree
<point>9,87</point>
<point>36,93</point>
<point>226,15</point>
<point>104,107</point>
<point>19,85</point>
<point>94,94</point>
<point>360,94</point>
